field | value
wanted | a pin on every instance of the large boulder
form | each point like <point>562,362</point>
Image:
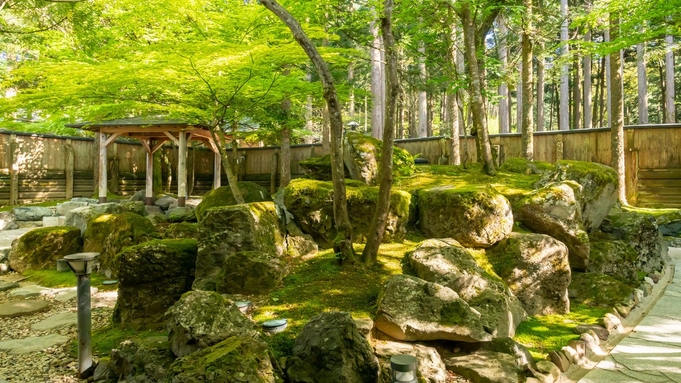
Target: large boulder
<point>615,258</point>
<point>311,204</point>
<point>80,217</point>
<point>108,234</point>
<point>253,232</point>
<point>640,231</point>
<point>670,223</point>
<point>7,221</point>
<point>144,359</point>
<point>251,272</point>
<point>134,207</point>
<point>599,188</point>
<point>555,210</point>
<point>331,349</point>
<point>31,213</point>
<point>430,367</point>
<point>236,359</point>
<point>67,206</point>
<point>598,290</point>
<point>486,367</point>
<point>41,248</point>
<point>412,309</point>
<point>362,156</point>
<point>319,168</point>
<point>180,214</point>
<point>180,230</point>
<point>536,269</point>
<point>222,196</point>
<point>475,218</point>
<point>152,276</point>
<point>201,319</point>
<point>448,263</point>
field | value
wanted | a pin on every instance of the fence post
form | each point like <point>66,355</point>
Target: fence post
<point>68,171</point>
<point>13,171</point>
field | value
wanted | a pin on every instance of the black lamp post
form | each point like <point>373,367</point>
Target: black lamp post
<point>403,369</point>
<point>81,264</point>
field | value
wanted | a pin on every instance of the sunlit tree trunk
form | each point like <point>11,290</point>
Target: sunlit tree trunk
<point>617,113</point>
<point>608,82</point>
<point>422,130</point>
<point>642,84</point>
<point>576,95</point>
<point>377,81</point>
<point>503,87</point>
<point>540,92</point>
<point>526,76</point>
<point>326,130</point>
<point>670,109</point>
<point>564,110</point>
<point>588,124</point>
<point>452,108</point>
<point>351,101</point>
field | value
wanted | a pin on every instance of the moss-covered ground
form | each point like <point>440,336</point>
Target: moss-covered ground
<point>43,204</point>
<point>58,279</point>
<point>107,338</point>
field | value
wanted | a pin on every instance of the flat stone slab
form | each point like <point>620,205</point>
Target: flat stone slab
<point>4,286</point>
<point>64,295</point>
<point>7,236</point>
<point>21,308</point>
<point>31,291</point>
<point>56,321</point>
<point>32,344</point>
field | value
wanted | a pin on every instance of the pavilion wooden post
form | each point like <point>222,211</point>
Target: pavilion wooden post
<point>102,167</point>
<point>182,170</point>
<point>217,170</point>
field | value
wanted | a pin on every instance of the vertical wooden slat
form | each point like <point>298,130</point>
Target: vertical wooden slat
<point>68,172</point>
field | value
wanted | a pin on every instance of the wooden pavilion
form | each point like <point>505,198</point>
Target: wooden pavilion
<point>152,133</point>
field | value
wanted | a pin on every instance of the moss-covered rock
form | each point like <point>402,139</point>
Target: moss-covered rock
<point>235,359</point>
<point>319,168</point>
<point>226,231</point>
<point>223,196</point>
<point>180,230</point>
<point>152,276</point>
<point>446,262</point>
<point>475,217</point>
<point>555,210</point>
<point>599,188</point>
<point>108,234</point>
<point>615,258</point>
<point>523,166</point>
<point>251,272</point>
<point>144,359</point>
<point>180,214</point>
<point>311,203</point>
<point>40,248</point>
<point>362,155</point>
<point>536,269</point>
<point>598,290</point>
<point>670,223</point>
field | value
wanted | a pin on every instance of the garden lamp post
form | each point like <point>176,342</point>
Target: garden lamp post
<point>353,125</point>
<point>403,369</point>
<point>81,264</point>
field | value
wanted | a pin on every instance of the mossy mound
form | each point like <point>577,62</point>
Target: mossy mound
<point>598,290</point>
<point>235,359</point>
<point>108,234</point>
<point>311,203</point>
<point>615,258</point>
<point>180,230</point>
<point>319,168</point>
<point>523,166</point>
<point>41,248</point>
<point>362,156</point>
<point>223,196</point>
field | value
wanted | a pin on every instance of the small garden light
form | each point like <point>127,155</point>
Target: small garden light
<point>353,125</point>
<point>81,264</point>
<point>403,369</point>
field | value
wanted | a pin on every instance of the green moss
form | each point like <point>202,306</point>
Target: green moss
<point>403,161</point>
<point>40,248</point>
<point>107,338</point>
<point>180,230</point>
<point>523,166</point>
<point>454,313</point>
<point>598,290</point>
<point>56,279</point>
<point>222,196</point>
<point>580,169</point>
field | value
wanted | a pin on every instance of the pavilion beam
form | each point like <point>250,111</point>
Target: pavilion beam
<point>111,139</point>
<point>102,168</point>
<point>158,145</point>
<point>169,135</point>
<point>182,170</point>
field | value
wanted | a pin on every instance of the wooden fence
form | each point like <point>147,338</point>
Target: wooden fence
<point>43,167</point>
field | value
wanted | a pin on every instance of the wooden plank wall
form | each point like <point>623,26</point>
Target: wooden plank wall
<point>35,167</point>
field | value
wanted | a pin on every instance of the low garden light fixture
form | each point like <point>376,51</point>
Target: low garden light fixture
<point>353,125</point>
<point>81,264</point>
<point>403,369</point>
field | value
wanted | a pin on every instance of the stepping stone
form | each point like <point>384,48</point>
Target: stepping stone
<point>56,321</point>
<point>64,295</point>
<point>31,291</point>
<point>32,344</point>
<point>21,308</point>
<point>12,278</point>
<point>4,286</point>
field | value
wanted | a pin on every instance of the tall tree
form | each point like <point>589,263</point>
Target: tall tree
<point>670,115</point>
<point>527,91</point>
<point>422,130</point>
<point>617,112</point>
<point>377,83</point>
<point>503,87</point>
<point>564,110</point>
<point>642,83</point>
<point>587,84</point>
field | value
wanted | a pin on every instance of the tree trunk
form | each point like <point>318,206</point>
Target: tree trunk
<point>528,102</point>
<point>670,109</point>
<point>519,96</point>
<point>343,243</point>
<point>588,124</point>
<point>386,170</point>
<point>285,162</point>
<point>503,87</point>
<point>663,87</point>
<point>601,98</point>
<point>422,130</point>
<point>608,82</point>
<point>452,109</point>
<point>576,95</point>
<point>219,139</point>
<point>351,101</point>
<point>564,110</point>
<point>377,87</point>
<point>326,127</point>
<point>540,91</point>
<point>642,84</point>
<point>471,46</point>
<point>617,113</point>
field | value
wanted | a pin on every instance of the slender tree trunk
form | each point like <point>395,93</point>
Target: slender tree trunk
<point>452,108</point>
<point>326,130</point>
<point>460,74</point>
<point>602,97</point>
<point>386,170</point>
<point>528,102</point>
<point>351,101</point>
<point>519,96</point>
<point>564,111</point>
<point>219,139</point>
<point>576,95</point>
<point>422,130</point>
<point>377,80</point>
<point>285,158</point>
<point>608,81</point>
<point>587,86</point>
<point>670,108</point>
<point>617,113</point>
<point>343,243</point>
<point>642,84</point>
<point>663,87</point>
<point>540,92</point>
<point>503,87</point>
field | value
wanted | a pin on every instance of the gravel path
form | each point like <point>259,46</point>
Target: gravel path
<point>56,364</point>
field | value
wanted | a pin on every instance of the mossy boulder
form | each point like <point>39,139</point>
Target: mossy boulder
<point>225,231</point>
<point>223,196</point>
<point>108,234</point>
<point>475,217</point>
<point>251,272</point>
<point>152,276</point>
<point>180,214</point>
<point>599,188</point>
<point>598,290</point>
<point>670,223</point>
<point>429,368</point>
<point>615,258</point>
<point>311,204</point>
<point>362,156</point>
<point>143,359</point>
<point>446,262</point>
<point>555,210</point>
<point>180,230</point>
<point>536,269</point>
<point>201,319</point>
<point>41,248</point>
<point>319,168</point>
<point>235,359</point>
<point>80,217</point>
<point>412,309</point>
<point>523,166</point>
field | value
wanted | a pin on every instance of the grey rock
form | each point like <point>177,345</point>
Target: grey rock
<point>301,245</point>
<point>91,201</point>
<point>80,217</point>
<point>201,319</point>
<point>412,309</point>
<point>180,214</point>
<point>250,272</point>
<point>615,258</point>
<point>612,323</point>
<point>331,349</point>
<point>153,210</point>
<point>22,308</point>
<point>31,291</point>
<point>32,344</point>
<point>600,331</point>
<point>670,223</point>
<point>60,320</point>
<point>102,371</point>
<point>591,341</point>
<point>559,359</point>
<point>31,213</point>
<point>647,288</point>
<point>430,367</point>
<point>40,248</point>
<point>7,221</point>
<point>638,296</point>
<point>130,207</point>
<point>508,346</point>
<point>549,369</point>
<point>141,196</point>
<point>142,360</point>
<point>67,206</point>
<point>5,286</point>
<point>485,367</point>
<point>364,325</point>
<point>165,202</point>
<point>579,346</point>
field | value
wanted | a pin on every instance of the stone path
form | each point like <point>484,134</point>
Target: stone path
<point>652,351</point>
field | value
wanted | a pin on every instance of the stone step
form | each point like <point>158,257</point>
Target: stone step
<point>32,344</point>
<point>31,291</point>
<point>56,321</point>
<point>22,308</point>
